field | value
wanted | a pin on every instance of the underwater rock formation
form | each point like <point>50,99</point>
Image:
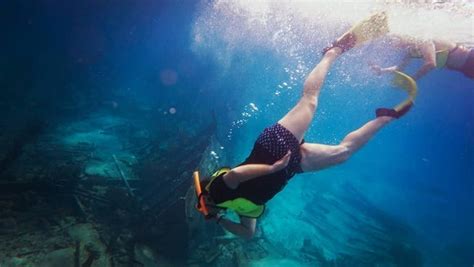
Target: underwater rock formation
<point>340,227</point>
<point>106,191</point>
<point>69,201</point>
<point>23,137</point>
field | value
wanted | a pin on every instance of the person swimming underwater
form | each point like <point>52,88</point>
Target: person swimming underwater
<point>434,53</point>
<point>280,151</point>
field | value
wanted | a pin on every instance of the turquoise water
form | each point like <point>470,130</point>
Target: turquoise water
<point>405,199</point>
<point>417,171</point>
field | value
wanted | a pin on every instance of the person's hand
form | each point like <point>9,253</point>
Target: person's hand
<point>281,163</point>
<point>377,69</point>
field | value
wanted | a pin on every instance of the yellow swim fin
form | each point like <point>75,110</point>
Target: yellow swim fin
<point>368,29</point>
<point>404,82</point>
<point>371,28</point>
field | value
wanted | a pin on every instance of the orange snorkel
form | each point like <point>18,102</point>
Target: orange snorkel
<point>201,206</point>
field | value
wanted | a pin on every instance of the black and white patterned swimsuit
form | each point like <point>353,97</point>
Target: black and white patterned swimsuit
<point>271,145</point>
<point>277,141</point>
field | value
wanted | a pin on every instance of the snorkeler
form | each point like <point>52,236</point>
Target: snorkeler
<point>434,53</point>
<point>280,151</point>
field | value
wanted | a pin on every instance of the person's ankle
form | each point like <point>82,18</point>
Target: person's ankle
<point>333,52</point>
<point>386,119</point>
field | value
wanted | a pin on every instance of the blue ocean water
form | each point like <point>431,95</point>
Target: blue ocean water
<point>185,60</point>
<point>418,169</point>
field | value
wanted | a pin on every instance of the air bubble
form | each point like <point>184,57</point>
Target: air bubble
<point>253,106</point>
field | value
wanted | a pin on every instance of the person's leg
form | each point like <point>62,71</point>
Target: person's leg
<point>318,156</point>
<point>298,119</point>
<point>245,229</point>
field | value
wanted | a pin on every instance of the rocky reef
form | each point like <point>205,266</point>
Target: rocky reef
<point>106,190</point>
<point>101,190</point>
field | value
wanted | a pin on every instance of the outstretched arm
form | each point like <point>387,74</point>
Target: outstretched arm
<point>250,171</point>
<point>400,67</point>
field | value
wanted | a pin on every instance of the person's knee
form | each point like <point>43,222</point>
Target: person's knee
<point>342,153</point>
<point>312,87</point>
<point>309,101</point>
